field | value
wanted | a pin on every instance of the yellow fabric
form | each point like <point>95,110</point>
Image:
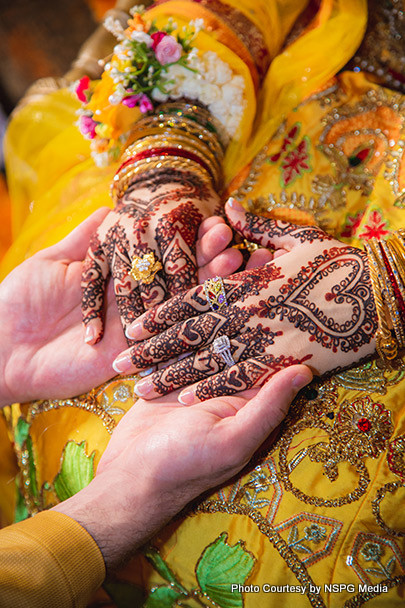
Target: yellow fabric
<point>335,158</point>
<point>48,561</point>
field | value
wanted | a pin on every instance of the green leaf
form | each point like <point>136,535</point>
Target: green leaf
<point>31,467</point>
<point>125,595</point>
<point>153,556</point>
<point>77,470</point>
<point>20,511</point>
<point>162,597</point>
<point>219,566</point>
<point>21,432</point>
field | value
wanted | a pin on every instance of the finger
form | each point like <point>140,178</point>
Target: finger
<point>74,246</point>
<point>93,283</point>
<point>208,223</point>
<point>187,336</point>
<point>268,232</point>
<point>127,295</point>
<point>180,307</point>
<point>259,258</point>
<point>240,377</point>
<point>206,362</point>
<point>176,237</point>
<point>215,240</point>
<point>224,264</point>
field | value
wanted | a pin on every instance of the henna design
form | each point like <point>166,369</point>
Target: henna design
<point>176,236</point>
<point>352,288</point>
<point>206,362</point>
<point>191,334</point>
<point>261,230</point>
<point>245,375</point>
<point>251,282</point>
<point>93,281</point>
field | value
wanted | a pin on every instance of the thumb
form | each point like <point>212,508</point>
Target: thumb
<point>264,412</point>
<point>275,234</point>
<point>74,245</point>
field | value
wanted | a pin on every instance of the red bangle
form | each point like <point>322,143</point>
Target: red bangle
<point>165,152</point>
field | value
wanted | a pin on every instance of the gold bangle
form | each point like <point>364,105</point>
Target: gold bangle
<point>121,185</point>
<point>387,292</point>
<point>386,345</point>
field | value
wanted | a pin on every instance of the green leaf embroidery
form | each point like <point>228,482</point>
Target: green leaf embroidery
<point>125,595</point>
<point>162,597</point>
<point>77,470</point>
<point>20,511</point>
<point>219,566</point>
<point>154,557</point>
<point>21,432</point>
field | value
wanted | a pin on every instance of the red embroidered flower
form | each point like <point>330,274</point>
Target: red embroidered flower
<point>375,227</point>
<point>287,142</point>
<point>295,163</point>
<point>351,224</point>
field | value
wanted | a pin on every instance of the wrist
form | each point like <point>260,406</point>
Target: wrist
<point>120,513</point>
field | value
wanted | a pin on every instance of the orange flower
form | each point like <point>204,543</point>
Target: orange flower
<point>137,24</point>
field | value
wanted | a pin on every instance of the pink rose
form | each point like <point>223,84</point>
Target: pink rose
<point>131,101</point>
<point>157,37</point>
<point>145,104</point>
<point>168,50</point>
<point>87,126</point>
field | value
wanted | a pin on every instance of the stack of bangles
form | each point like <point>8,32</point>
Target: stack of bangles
<point>180,136</point>
<point>387,271</point>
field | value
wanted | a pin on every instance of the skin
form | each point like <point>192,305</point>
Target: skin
<point>46,329</point>
<point>312,304</point>
<point>160,213</point>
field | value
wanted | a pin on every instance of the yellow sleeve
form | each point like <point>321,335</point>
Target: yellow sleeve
<point>48,561</point>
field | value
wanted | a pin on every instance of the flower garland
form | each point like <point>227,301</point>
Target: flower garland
<point>150,66</point>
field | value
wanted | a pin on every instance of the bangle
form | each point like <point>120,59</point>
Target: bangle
<point>386,345</point>
<point>121,185</point>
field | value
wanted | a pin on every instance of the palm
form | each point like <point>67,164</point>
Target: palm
<point>49,357</point>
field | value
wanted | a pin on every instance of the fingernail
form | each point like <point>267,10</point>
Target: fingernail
<point>235,204</point>
<point>146,372</point>
<point>143,388</point>
<point>134,331</point>
<point>122,364</point>
<point>301,380</point>
<point>89,334</point>
<point>187,397</point>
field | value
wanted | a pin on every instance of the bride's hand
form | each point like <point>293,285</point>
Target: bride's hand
<point>311,304</point>
<point>159,216</point>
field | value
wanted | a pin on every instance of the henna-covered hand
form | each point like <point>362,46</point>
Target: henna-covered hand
<point>312,304</point>
<point>160,213</point>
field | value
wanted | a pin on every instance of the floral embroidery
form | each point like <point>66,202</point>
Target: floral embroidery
<point>351,224</point>
<point>313,541</point>
<point>288,141</point>
<point>296,163</point>
<point>396,457</point>
<point>219,565</point>
<point>376,226</point>
<point>375,558</point>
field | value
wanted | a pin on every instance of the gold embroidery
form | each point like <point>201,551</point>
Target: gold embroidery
<point>287,554</point>
<point>381,492</point>
<point>371,377</point>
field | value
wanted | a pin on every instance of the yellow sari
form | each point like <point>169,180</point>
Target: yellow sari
<point>314,520</point>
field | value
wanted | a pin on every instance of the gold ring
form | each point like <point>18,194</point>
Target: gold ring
<point>145,268</point>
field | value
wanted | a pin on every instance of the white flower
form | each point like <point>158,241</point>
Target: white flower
<point>118,95</point>
<point>140,8</point>
<point>158,95</point>
<point>114,26</point>
<point>138,36</point>
<point>197,24</point>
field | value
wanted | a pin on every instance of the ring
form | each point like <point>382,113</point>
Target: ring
<point>222,347</point>
<point>215,293</point>
<point>145,268</point>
